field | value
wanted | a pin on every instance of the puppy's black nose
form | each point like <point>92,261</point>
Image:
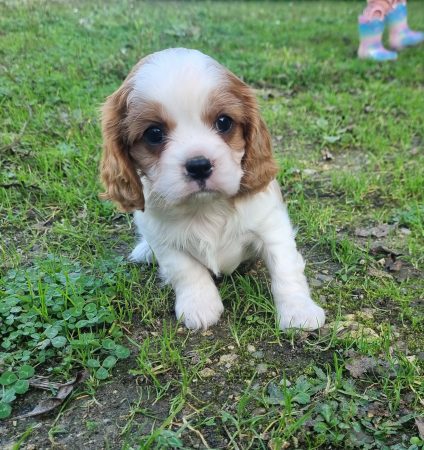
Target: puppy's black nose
<point>198,168</point>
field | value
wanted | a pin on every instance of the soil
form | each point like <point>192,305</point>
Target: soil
<point>98,421</point>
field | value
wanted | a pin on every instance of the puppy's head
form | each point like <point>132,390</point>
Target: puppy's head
<point>186,127</point>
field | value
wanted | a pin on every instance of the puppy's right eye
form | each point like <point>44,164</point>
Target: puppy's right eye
<point>154,135</point>
<point>223,124</point>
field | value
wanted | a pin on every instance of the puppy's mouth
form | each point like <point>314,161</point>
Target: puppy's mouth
<point>204,191</point>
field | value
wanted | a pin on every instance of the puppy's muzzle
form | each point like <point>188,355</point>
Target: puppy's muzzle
<point>198,168</point>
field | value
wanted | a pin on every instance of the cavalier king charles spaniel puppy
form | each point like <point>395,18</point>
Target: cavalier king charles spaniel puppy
<point>186,149</point>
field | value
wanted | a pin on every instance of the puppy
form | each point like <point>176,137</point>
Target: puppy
<point>186,149</point>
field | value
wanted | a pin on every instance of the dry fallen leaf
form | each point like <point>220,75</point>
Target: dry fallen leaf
<point>349,327</point>
<point>360,365</point>
<point>419,422</point>
<point>48,404</point>
<point>378,273</point>
<point>379,249</point>
<point>379,231</point>
<point>392,264</point>
<point>377,410</point>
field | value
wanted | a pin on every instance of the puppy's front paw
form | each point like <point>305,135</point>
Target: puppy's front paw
<point>199,310</point>
<point>305,314</point>
<point>142,253</point>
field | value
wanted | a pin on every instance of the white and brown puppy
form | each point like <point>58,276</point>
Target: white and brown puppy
<point>186,149</point>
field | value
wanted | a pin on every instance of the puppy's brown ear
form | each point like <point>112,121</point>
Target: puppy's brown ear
<point>258,164</point>
<point>117,169</point>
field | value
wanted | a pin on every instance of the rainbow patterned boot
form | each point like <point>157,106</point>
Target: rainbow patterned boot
<point>370,45</point>
<point>400,35</point>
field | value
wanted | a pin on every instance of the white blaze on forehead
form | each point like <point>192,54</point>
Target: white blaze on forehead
<point>178,78</point>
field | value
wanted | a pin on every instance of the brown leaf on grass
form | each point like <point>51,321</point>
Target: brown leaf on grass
<point>392,264</point>
<point>379,231</point>
<point>419,422</point>
<point>372,271</point>
<point>377,410</point>
<point>379,249</point>
<point>361,365</point>
<point>63,391</point>
<point>349,327</point>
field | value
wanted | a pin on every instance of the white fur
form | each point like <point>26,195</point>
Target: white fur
<point>193,233</point>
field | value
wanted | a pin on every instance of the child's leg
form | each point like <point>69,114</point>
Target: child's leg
<point>371,27</point>
<point>377,10</point>
<point>400,35</point>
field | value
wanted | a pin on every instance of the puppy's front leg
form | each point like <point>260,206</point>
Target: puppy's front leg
<point>293,302</point>
<point>198,302</point>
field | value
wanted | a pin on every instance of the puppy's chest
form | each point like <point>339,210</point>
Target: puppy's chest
<point>220,243</point>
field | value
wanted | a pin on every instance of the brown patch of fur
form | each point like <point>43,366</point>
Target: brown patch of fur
<point>220,103</point>
<point>258,163</point>
<point>124,153</point>
<point>117,169</point>
<point>144,114</point>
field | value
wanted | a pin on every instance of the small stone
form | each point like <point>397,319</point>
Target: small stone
<point>349,317</point>
<point>366,313</point>
<point>363,333</point>
<point>195,358</point>
<point>262,368</point>
<point>327,155</point>
<point>323,277</point>
<point>405,231</point>
<point>322,299</point>
<point>228,359</point>
<point>251,348</point>
<point>207,333</point>
<point>230,347</point>
<point>258,355</point>
<point>207,372</point>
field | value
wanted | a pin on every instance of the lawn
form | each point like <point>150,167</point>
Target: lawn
<point>349,138</point>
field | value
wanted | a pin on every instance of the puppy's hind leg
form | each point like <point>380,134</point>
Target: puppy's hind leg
<point>142,253</point>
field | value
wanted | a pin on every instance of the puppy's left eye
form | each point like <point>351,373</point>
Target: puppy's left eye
<point>154,135</point>
<point>223,124</point>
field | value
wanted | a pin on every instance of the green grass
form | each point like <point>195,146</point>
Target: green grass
<point>349,138</point>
